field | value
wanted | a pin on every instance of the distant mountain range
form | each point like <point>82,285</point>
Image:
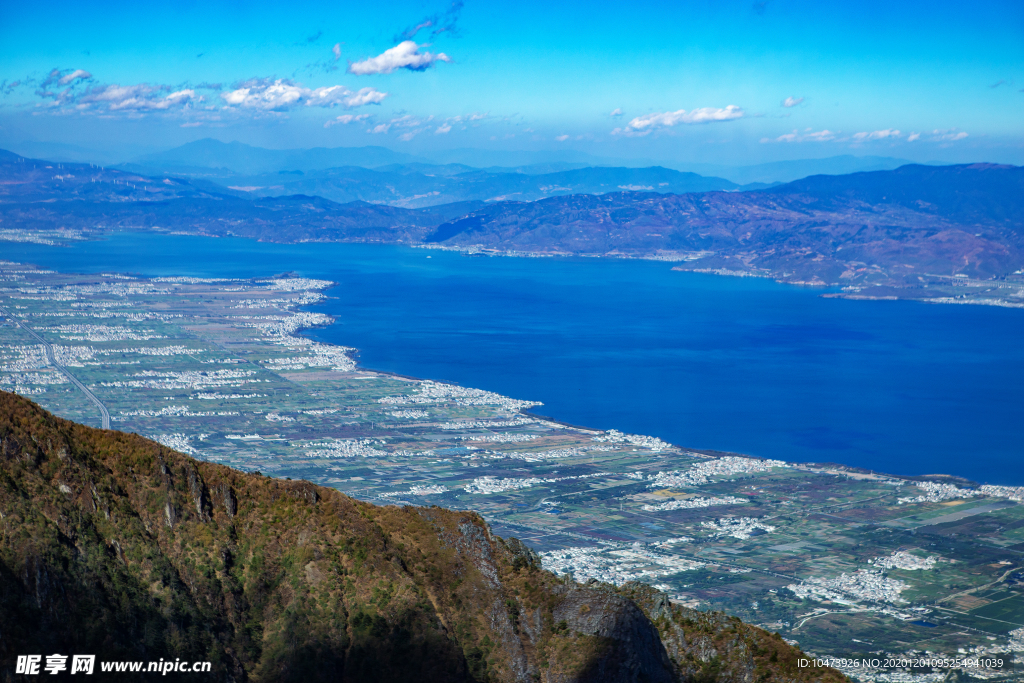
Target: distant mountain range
<point>786,171</point>
<point>213,158</point>
<point>897,227</point>
<point>416,186</point>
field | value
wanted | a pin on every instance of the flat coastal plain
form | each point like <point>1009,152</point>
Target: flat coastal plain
<point>847,563</point>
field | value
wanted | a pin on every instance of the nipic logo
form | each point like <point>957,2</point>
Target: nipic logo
<point>55,664</point>
<point>34,665</point>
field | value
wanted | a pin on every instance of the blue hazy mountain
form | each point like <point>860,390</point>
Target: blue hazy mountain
<point>241,158</point>
<point>419,185</point>
<point>786,171</point>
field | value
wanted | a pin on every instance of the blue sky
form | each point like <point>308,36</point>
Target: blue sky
<point>687,81</point>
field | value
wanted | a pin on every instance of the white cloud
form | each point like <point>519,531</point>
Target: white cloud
<point>807,135</point>
<point>616,112</point>
<point>74,76</point>
<point>643,125</point>
<point>337,51</point>
<point>792,101</point>
<point>141,97</point>
<point>282,94</point>
<point>339,94</point>
<point>346,119</point>
<point>443,129</point>
<point>913,136</point>
<point>876,135</point>
<point>405,55</point>
<point>948,135</point>
<point>413,126</point>
<point>562,138</point>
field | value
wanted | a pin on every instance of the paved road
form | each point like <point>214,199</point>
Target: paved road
<point>53,360</point>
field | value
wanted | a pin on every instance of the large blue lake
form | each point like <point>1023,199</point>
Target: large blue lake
<point>703,361</point>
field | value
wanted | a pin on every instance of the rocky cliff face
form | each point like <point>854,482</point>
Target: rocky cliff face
<point>113,545</point>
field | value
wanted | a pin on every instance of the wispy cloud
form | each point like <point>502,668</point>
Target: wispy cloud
<point>337,51</point>
<point>648,123</point>
<point>443,129</point>
<point>913,137</point>
<point>807,135</point>
<point>405,55</point>
<point>561,138</point>
<point>948,135</point>
<point>314,37</point>
<point>77,74</point>
<point>1000,82</point>
<point>64,77</point>
<point>411,125</point>
<point>616,112</point>
<point>108,98</point>
<point>439,22</point>
<point>792,101</point>
<point>141,97</point>
<point>876,135</point>
<point>346,119</point>
<point>283,94</point>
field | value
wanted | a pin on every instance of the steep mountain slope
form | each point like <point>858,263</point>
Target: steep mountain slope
<point>114,545</point>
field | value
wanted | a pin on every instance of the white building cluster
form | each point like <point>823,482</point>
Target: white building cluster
<point>304,299</point>
<point>295,284</point>
<point>901,559</point>
<point>488,485</point>
<point>187,379</point>
<point>701,472</point>
<point>178,442</point>
<point>438,392</point>
<point>615,563</point>
<point>285,326</point>
<point>736,527</point>
<point>692,503</point>
<point>1012,492</point>
<point>863,584</point>
<point>409,414</point>
<point>505,437</point>
<point>486,424</point>
<point>174,411</point>
<point>429,490</point>
<point>316,355</point>
<point>934,493</point>
<point>103,333</point>
<point>345,448</point>
<point>650,442</point>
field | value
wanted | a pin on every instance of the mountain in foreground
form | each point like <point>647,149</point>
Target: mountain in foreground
<point>116,546</point>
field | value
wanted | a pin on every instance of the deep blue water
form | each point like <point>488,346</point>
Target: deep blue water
<point>703,361</point>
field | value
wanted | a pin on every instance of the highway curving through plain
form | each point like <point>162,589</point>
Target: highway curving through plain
<point>104,414</point>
